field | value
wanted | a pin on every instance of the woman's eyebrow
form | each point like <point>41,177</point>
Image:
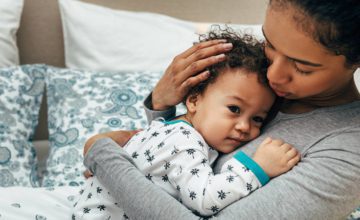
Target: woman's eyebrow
<point>304,62</point>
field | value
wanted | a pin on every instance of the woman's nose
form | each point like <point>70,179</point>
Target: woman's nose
<point>279,71</point>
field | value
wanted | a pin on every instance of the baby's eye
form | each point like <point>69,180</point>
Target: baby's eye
<point>234,109</point>
<point>258,119</point>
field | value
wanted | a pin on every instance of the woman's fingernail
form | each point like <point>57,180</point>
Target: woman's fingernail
<point>220,56</point>
<point>227,46</point>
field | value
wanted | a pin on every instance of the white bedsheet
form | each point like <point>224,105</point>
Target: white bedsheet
<point>18,203</point>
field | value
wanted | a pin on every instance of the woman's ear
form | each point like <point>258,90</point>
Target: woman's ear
<point>191,103</point>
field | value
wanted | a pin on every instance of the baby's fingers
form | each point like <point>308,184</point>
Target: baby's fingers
<point>266,141</point>
<point>294,160</point>
<point>292,152</point>
<point>286,147</point>
<point>277,142</point>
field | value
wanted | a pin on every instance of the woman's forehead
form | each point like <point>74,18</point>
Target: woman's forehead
<point>283,33</point>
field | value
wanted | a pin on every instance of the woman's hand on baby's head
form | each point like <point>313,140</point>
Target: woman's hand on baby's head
<point>276,157</point>
<point>186,71</point>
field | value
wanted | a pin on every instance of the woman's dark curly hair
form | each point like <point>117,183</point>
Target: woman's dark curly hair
<point>335,24</point>
<point>247,53</point>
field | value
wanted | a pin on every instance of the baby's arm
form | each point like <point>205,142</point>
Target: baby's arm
<point>207,193</point>
<point>203,191</point>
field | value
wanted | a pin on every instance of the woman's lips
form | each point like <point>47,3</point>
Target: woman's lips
<point>278,92</point>
<point>281,94</point>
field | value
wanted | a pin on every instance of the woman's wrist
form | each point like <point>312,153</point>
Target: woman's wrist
<point>156,104</point>
<point>91,141</point>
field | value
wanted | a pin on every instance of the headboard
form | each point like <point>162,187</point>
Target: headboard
<point>40,38</point>
<point>40,34</point>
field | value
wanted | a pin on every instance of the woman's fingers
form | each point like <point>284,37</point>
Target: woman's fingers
<point>87,174</point>
<point>200,65</point>
<point>199,58</point>
<point>192,81</point>
<point>207,52</point>
<point>198,46</point>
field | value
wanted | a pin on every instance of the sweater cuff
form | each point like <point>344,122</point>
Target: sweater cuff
<point>253,166</point>
<point>153,114</point>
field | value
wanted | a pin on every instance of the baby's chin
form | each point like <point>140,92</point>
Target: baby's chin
<point>226,149</point>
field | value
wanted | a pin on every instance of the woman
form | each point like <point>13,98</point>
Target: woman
<point>314,50</point>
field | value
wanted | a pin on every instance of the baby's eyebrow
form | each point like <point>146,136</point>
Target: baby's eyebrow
<point>304,62</point>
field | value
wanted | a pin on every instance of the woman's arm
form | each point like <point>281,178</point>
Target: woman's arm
<point>139,198</point>
<point>325,185</point>
<point>120,137</point>
<point>154,114</point>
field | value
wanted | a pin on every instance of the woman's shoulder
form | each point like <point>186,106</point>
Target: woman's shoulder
<point>342,114</point>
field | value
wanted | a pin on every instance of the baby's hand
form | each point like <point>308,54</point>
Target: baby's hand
<point>275,156</point>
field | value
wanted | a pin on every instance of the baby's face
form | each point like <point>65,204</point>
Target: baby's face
<point>231,110</point>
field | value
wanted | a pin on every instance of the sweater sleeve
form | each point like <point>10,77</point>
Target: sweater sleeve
<point>136,195</point>
<point>153,114</point>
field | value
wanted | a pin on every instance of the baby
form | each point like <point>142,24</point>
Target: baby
<point>223,112</point>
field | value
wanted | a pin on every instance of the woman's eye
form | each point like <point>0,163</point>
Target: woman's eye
<point>302,71</point>
<point>268,45</point>
<point>234,109</point>
<point>259,120</point>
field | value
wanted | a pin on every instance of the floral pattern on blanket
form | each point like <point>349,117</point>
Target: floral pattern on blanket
<point>355,215</point>
<point>21,90</point>
<point>84,103</point>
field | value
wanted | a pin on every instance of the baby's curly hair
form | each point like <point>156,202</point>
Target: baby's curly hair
<point>247,53</point>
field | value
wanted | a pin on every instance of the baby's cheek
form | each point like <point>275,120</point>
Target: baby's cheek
<point>255,133</point>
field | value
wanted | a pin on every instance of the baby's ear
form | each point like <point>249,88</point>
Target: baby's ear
<point>191,103</point>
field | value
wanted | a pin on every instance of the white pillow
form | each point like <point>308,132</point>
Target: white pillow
<point>103,39</point>
<point>10,14</point>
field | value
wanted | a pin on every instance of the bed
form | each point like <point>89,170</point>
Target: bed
<point>71,48</point>
<point>40,35</point>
